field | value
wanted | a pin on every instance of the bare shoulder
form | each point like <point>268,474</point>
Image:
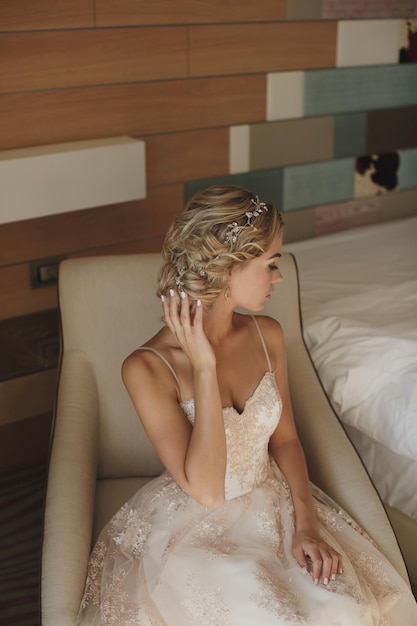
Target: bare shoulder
<point>273,336</point>
<point>145,369</point>
<point>270,327</point>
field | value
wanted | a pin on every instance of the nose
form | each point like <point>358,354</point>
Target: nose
<point>278,277</point>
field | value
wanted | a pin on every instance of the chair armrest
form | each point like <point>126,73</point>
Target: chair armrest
<point>333,463</point>
<point>70,497</point>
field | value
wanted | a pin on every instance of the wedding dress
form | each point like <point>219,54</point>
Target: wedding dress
<point>164,559</point>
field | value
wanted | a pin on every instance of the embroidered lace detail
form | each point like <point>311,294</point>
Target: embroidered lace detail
<point>205,606</point>
<point>132,538</point>
<point>95,569</point>
<point>213,536</point>
<point>247,436</point>
<point>266,520</point>
<point>371,569</point>
<point>116,608</point>
<point>278,597</point>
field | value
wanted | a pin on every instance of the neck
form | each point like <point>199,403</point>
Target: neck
<point>218,322</point>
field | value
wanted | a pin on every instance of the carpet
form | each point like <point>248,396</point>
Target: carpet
<point>22,494</point>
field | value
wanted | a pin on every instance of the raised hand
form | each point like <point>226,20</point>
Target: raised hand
<point>187,327</point>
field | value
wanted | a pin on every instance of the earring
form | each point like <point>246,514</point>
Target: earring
<point>226,293</point>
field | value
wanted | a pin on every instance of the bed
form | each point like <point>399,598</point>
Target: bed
<point>358,291</point>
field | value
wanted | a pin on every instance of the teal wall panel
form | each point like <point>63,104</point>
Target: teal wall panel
<point>349,134</point>
<point>267,184</point>
<point>318,183</point>
<point>408,169</point>
<point>347,90</point>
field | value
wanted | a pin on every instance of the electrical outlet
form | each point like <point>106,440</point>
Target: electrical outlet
<point>44,272</point>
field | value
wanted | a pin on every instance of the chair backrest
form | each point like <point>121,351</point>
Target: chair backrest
<point>108,308</point>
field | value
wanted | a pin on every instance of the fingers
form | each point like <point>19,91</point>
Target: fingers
<point>177,312</point>
<point>321,560</point>
<point>327,563</point>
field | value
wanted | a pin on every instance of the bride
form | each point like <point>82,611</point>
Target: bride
<point>232,533</point>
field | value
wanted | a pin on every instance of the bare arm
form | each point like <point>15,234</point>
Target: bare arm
<point>286,449</point>
<point>195,457</point>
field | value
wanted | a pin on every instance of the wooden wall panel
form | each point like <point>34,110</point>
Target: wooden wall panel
<point>21,398</point>
<point>58,235</point>
<point>144,12</point>
<point>241,48</point>
<point>38,118</point>
<point>57,59</point>
<point>43,14</point>
<point>26,441</point>
<point>18,298</point>
<point>194,154</point>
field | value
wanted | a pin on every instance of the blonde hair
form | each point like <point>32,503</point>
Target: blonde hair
<point>196,252</point>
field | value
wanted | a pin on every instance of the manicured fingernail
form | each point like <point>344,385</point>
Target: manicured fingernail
<point>333,576</point>
<point>326,581</point>
<point>182,294</point>
<point>316,581</point>
<point>162,298</point>
<point>304,570</point>
<point>171,292</point>
<point>198,302</point>
<point>340,571</point>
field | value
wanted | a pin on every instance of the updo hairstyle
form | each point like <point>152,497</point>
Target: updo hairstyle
<point>197,254</point>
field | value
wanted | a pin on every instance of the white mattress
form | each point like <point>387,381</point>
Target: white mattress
<point>358,293</point>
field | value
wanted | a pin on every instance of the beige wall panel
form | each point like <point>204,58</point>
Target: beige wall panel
<point>58,235</point>
<point>299,225</point>
<point>398,204</point>
<point>39,14</point>
<point>128,12</point>
<point>37,118</point>
<point>18,297</point>
<point>185,156</point>
<point>241,48</point>
<point>59,59</point>
<point>296,141</point>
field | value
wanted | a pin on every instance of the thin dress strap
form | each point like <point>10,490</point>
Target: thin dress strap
<point>168,364</point>
<point>263,343</point>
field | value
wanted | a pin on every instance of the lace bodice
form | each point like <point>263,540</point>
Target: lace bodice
<point>247,436</point>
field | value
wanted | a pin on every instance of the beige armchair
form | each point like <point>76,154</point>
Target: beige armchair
<point>100,455</point>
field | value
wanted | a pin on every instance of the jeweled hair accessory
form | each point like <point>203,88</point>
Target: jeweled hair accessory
<point>179,283</point>
<point>234,229</point>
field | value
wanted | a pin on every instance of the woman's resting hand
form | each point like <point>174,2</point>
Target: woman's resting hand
<point>316,556</point>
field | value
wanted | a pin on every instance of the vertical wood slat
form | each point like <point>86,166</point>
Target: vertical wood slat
<point>59,235</point>
<point>245,48</point>
<point>135,110</point>
<point>45,14</point>
<point>145,12</point>
<point>61,59</point>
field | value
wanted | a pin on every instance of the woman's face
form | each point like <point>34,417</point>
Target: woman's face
<point>252,283</point>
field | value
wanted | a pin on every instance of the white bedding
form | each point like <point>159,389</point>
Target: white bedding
<point>358,294</point>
